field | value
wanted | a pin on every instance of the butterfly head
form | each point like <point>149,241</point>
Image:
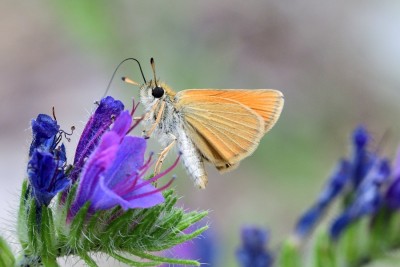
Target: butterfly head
<point>154,88</point>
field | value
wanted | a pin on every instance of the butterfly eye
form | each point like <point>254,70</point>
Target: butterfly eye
<point>157,92</point>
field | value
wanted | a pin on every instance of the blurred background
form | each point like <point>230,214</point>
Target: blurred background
<point>336,62</point>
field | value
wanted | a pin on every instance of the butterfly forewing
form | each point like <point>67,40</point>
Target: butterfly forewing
<point>268,103</point>
<point>224,130</point>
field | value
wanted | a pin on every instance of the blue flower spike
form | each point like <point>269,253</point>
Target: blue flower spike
<point>367,199</point>
<point>253,251</point>
<point>46,166</point>
<point>362,159</point>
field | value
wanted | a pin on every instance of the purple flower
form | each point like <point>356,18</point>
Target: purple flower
<point>362,159</point>
<point>97,125</point>
<point>253,252</point>
<point>46,176</point>
<point>46,165</point>
<point>44,132</point>
<point>113,173</point>
<point>392,197</point>
<point>367,199</point>
<point>331,190</point>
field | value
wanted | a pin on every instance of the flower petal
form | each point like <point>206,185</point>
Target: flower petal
<point>113,185</point>
<point>44,130</point>
<point>95,167</point>
<point>97,125</point>
<point>45,176</point>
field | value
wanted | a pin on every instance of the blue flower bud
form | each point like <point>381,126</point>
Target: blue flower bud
<point>253,251</point>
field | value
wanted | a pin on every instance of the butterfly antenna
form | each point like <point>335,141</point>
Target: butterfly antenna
<point>153,67</point>
<point>54,113</point>
<point>116,69</point>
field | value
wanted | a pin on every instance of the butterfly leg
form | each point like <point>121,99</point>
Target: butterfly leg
<point>163,155</point>
<point>147,114</point>
<point>158,119</point>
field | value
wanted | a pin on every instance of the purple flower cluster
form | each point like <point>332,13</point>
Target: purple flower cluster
<point>253,251</point>
<point>46,166</point>
<point>113,174</point>
<point>109,165</point>
<point>364,183</point>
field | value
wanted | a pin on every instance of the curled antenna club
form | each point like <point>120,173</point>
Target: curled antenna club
<point>116,69</point>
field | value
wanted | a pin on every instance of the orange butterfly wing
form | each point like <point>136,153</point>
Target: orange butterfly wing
<point>222,126</point>
<point>268,103</point>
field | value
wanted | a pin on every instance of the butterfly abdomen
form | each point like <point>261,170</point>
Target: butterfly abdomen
<point>192,159</point>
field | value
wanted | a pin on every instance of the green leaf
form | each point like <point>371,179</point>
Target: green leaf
<point>22,216</point>
<point>119,224</point>
<point>289,255</point>
<point>47,234</point>
<point>352,242</point>
<point>91,232</point>
<point>379,233</point>
<point>149,220</point>
<point>66,206</point>
<point>6,256</point>
<point>165,227</point>
<point>394,229</point>
<point>324,251</point>
<point>164,259</point>
<point>87,259</point>
<point>131,262</point>
<point>49,262</point>
<point>179,239</point>
<point>190,219</point>
<point>77,226</point>
<point>170,200</point>
<point>33,227</point>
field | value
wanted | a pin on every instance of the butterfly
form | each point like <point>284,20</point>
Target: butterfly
<point>219,126</point>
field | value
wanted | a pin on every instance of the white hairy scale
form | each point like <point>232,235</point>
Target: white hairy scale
<point>171,126</point>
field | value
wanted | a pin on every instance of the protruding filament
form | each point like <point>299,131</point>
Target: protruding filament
<point>153,67</point>
<point>130,81</point>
